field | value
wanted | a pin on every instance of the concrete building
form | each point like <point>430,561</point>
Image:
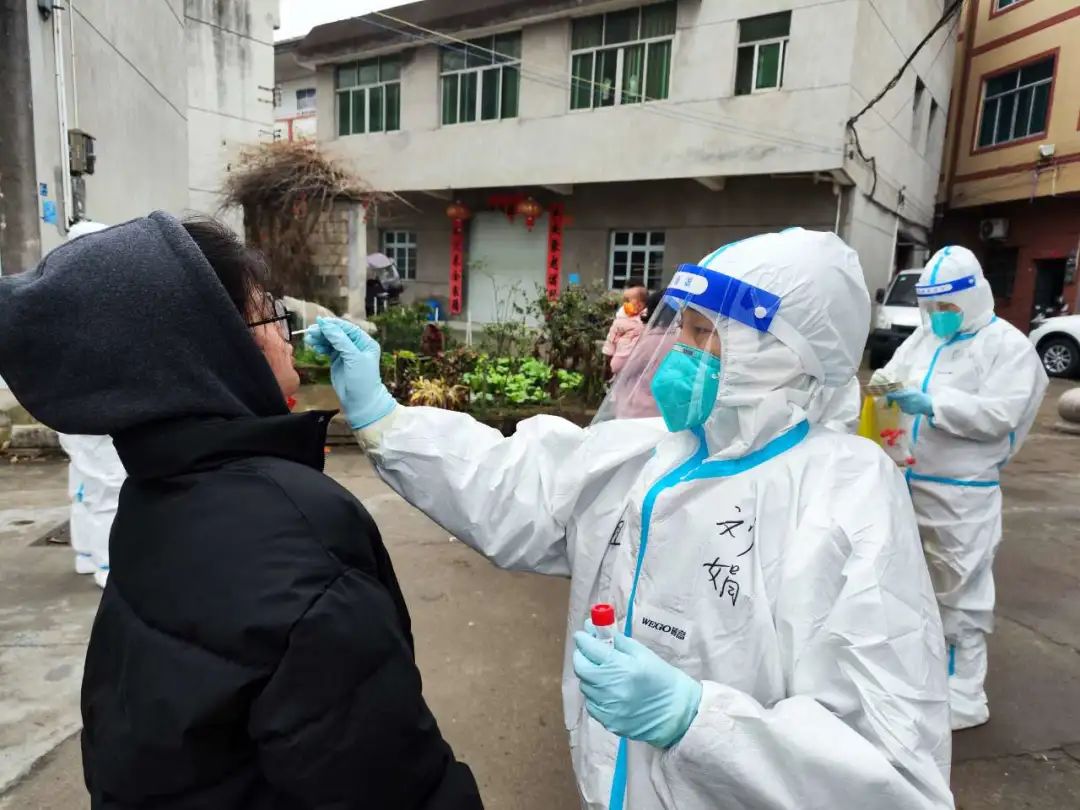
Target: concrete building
<point>294,95</point>
<point>647,134</point>
<point>169,91</point>
<point>230,90</point>
<point>1011,188</point>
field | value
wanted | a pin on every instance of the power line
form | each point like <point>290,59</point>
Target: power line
<point>952,9</point>
<point>560,81</point>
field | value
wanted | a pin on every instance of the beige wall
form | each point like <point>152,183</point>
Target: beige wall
<point>1014,172</point>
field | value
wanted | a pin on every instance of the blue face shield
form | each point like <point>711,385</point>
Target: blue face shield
<point>946,324</point>
<point>943,323</point>
<point>685,387</point>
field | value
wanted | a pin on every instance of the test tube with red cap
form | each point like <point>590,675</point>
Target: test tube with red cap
<point>603,619</point>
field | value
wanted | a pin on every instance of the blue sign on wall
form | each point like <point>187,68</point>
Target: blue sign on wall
<point>48,212</point>
<point>43,189</point>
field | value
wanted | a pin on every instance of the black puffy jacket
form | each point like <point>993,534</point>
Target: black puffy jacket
<point>252,648</point>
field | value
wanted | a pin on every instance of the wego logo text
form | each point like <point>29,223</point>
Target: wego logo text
<point>677,632</point>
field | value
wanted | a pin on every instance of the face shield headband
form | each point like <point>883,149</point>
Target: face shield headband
<point>706,289</point>
<point>934,289</point>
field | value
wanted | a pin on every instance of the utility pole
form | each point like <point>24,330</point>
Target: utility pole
<point>20,234</point>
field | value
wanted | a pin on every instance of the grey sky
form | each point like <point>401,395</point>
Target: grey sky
<point>300,16</point>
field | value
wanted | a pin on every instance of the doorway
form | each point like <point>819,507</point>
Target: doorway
<point>507,267</point>
<point>1049,287</point>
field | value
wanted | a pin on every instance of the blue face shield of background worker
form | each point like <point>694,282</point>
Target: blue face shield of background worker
<point>685,387</point>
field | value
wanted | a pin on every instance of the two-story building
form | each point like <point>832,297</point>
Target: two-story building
<point>294,95</point>
<point>546,142</point>
<point>1011,188</point>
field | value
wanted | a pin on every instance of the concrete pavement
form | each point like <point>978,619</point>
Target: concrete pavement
<point>489,644</point>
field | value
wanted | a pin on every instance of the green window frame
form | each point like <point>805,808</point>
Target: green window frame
<point>480,80</point>
<point>762,53</point>
<point>622,57</point>
<point>368,96</point>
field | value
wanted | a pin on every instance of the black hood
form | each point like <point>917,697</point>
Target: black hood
<point>129,326</point>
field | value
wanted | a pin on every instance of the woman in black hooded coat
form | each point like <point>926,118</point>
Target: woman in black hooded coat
<point>252,648</point>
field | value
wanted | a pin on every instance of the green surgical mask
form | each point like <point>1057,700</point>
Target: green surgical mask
<point>685,387</point>
<point>946,323</point>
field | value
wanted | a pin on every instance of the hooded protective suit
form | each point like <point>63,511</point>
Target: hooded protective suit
<point>95,476</point>
<point>985,383</point>
<point>770,559</point>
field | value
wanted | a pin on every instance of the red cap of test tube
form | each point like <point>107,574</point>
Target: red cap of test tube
<point>603,615</point>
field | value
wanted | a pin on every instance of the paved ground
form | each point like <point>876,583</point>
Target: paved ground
<point>490,643</point>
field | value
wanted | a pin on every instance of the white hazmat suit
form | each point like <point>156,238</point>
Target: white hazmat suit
<point>95,476</point>
<point>772,560</point>
<point>986,383</point>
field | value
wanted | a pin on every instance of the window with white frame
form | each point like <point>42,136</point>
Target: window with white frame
<point>400,248</point>
<point>622,57</point>
<point>1001,5</point>
<point>305,99</point>
<point>762,52</point>
<point>481,81</point>
<point>1016,104</point>
<point>369,96</point>
<point>637,258</point>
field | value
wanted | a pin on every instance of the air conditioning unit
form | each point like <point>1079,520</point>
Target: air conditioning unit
<point>991,229</point>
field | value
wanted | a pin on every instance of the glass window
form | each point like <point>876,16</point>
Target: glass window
<point>623,57</point>
<point>1001,5</point>
<point>400,248</point>
<point>369,96</point>
<point>481,81</point>
<point>344,125</point>
<point>902,293</point>
<point>305,99</point>
<point>762,53</point>
<point>637,257</point>
<point>1016,104</point>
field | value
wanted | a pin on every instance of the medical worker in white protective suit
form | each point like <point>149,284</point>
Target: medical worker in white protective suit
<point>782,646</point>
<point>95,475</point>
<point>976,385</point>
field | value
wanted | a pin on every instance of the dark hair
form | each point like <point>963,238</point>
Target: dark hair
<point>241,270</point>
<point>654,306</point>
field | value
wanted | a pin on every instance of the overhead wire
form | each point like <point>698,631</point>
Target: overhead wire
<point>950,10</point>
<point>561,81</point>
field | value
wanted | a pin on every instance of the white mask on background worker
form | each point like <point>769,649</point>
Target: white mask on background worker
<point>974,387</point>
<point>766,571</point>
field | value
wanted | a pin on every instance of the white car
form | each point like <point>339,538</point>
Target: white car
<point>896,318</point>
<point>1057,341</point>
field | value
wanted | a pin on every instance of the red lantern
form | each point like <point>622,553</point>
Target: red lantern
<point>458,211</point>
<point>530,209</point>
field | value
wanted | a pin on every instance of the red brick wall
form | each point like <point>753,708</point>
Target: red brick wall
<point>1046,228</point>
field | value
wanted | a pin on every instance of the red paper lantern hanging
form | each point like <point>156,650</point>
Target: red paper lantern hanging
<point>457,210</point>
<point>530,209</point>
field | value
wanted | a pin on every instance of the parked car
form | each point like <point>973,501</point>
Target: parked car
<point>896,317</point>
<point>1057,341</point>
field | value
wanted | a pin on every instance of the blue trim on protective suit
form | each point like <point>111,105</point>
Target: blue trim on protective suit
<point>952,660</point>
<point>956,482</point>
<point>693,469</point>
<point>937,479</point>
<point>937,265</point>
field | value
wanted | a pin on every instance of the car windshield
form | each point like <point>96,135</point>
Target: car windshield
<point>902,293</point>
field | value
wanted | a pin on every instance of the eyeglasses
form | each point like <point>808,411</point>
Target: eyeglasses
<point>282,317</point>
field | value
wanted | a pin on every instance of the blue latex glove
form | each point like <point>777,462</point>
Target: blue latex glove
<point>633,692</point>
<point>912,401</point>
<point>354,370</point>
